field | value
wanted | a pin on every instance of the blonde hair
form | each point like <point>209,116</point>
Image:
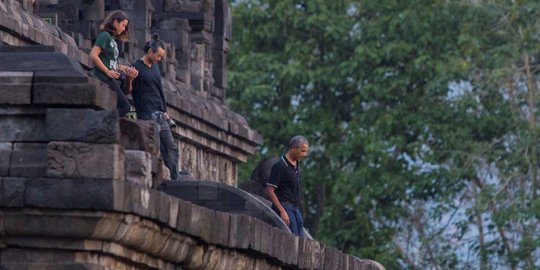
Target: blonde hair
<point>108,25</point>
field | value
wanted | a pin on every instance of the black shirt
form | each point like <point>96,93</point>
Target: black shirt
<point>286,179</point>
<point>148,90</point>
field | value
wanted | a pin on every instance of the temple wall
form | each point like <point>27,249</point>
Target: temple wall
<point>79,186</point>
<point>208,131</point>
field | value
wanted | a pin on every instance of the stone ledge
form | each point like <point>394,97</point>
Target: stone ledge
<point>127,237</point>
<point>83,125</point>
<point>75,95</point>
<point>220,121</point>
<point>151,222</point>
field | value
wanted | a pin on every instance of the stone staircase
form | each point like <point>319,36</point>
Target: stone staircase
<point>78,185</point>
<point>66,200</point>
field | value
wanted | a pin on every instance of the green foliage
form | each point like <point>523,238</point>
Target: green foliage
<point>418,117</point>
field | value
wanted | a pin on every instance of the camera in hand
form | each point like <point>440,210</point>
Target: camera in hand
<point>122,80</point>
<point>171,122</point>
<point>122,77</point>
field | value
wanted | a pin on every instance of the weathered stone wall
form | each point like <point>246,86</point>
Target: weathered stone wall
<point>68,201</point>
<point>213,138</point>
<point>78,185</point>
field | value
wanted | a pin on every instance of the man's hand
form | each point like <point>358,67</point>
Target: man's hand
<point>285,218</point>
<point>131,72</point>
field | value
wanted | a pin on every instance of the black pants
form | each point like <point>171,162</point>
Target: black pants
<point>167,145</point>
<point>122,103</point>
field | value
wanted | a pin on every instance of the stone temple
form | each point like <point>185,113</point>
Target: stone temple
<point>81,188</point>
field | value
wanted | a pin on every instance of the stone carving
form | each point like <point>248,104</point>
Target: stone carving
<point>139,167</point>
<point>74,159</point>
<point>140,135</point>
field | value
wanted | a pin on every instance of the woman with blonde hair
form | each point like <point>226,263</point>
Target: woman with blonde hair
<point>104,55</point>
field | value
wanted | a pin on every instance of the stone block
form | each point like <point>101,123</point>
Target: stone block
<point>44,243</point>
<point>256,235</point>
<point>107,226</point>
<point>22,127</point>
<point>84,160</point>
<point>173,211</point>
<point>157,171</point>
<point>140,135</point>
<point>74,94</point>
<point>188,191</point>
<point>144,201</point>
<point>240,233</point>
<point>12,193</point>
<point>314,252</point>
<point>97,194</point>
<point>209,192</point>
<point>68,76</point>
<point>6,149</point>
<point>220,233</point>
<point>2,232</point>
<point>331,258</point>
<point>138,167</point>
<point>267,238</point>
<point>174,248</point>
<point>188,218</point>
<point>46,225</point>
<point>289,255</point>
<point>82,125</point>
<point>205,223</point>
<point>27,259</point>
<point>302,258</point>
<point>122,196</point>
<point>37,58</point>
<point>28,159</point>
<point>15,93</point>
<point>16,77</point>
<point>278,243</point>
<point>262,264</point>
<point>163,207</point>
<point>351,262</point>
<point>183,216</point>
<point>165,173</point>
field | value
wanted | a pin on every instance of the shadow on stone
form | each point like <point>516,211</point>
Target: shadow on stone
<point>224,198</point>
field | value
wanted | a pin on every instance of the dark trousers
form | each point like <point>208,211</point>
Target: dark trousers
<point>295,217</point>
<point>167,145</point>
<point>122,103</point>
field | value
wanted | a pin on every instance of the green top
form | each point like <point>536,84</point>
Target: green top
<point>108,55</point>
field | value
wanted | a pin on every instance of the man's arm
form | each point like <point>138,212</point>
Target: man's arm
<point>128,85</point>
<point>270,191</point>
<point>131,73</point>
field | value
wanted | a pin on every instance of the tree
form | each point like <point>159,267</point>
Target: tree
<point>420,116</point>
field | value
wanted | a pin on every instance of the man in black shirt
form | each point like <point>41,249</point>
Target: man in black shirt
<point>150,102</point>
<point>283,186</point>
